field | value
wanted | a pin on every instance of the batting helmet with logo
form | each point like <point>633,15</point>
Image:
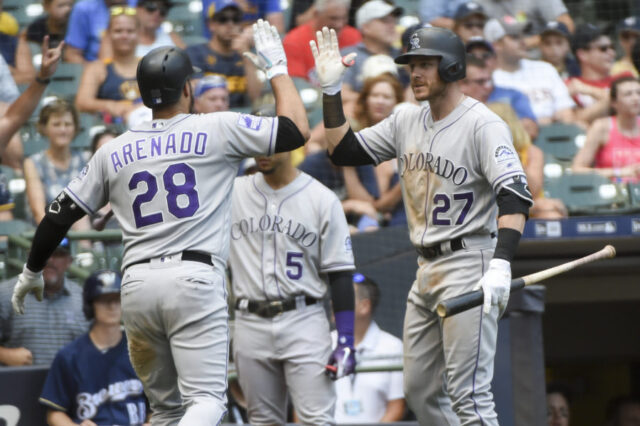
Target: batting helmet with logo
<point>162,74</point>
<point>99,283</point>
<point>434,41</point>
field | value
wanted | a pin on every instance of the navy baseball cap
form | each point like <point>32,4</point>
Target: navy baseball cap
<point>631,23</point>
<point>219,5</point>
<point>555,27</point>
<point>478,41</point>
<point>468,9</point>
<point>584,35</point>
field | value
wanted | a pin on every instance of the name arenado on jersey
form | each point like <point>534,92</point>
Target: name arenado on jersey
<point>88,403</point>
<point>294,230</point>
<point>159,145</point>
<point>425,161</point>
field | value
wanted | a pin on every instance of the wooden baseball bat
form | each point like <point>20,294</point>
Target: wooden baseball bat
<point>466,301</point>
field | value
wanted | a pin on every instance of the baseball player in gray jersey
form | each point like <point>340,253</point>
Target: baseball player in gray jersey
<point>289,243</point>
<point>169,184</point>
<point>456,162</point>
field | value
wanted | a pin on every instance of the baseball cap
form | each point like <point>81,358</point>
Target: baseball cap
<point>584,35</point>
<point>496,29</point>
<point>555,27</point>
<point>375,9</point>
<point>219,5</point>
<point>467,9</point>
<point>209,82</point>
<point>478,41</point>
<point>630,23</point>
<point>376,65</point>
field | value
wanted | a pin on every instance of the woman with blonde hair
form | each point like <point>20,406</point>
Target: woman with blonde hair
<point>109,86</point>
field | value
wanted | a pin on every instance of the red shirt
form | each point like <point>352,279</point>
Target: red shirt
<point>584,101</point>
<point>296,46</point>
<point>619,151</point>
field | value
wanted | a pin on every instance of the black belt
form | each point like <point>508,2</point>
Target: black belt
<point>194,256</point>
<point>271,308</point>
<point>435,250</point>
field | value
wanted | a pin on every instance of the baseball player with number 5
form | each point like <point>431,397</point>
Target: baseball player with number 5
<point>169,183</point>
<point>456,162</point>
<point>289,243</point>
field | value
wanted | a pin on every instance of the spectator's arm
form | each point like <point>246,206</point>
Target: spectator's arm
<point>566,19</point>
<point>35,190</point>
<point>277,20</point>
<point>389,200</point>
<point>60,418</point>
<point>15,357</point>
<point>394,411</point>
<point>534,169</point>
<point>564,115</point>
<point>12,155</point>
<point>596,138</point>
<point>442,21</point>
<point>531,127</point>
<point>24,70</point>
<point>355,188</point>
<point>87,99</point>
<point>74,55</point>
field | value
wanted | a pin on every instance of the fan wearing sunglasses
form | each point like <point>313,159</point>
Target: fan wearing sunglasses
<point>87,24</point>
<point>152,13</point>
<point>628,34</point>
<point>595,53</point>
<point>222,54</point>
<point>469,21</point>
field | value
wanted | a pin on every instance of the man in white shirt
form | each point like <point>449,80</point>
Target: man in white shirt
<point>371,397</point>
<point>539,80</point>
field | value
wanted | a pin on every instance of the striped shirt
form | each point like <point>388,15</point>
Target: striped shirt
<point>46,326</point>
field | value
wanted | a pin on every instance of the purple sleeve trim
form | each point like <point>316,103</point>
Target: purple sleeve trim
<point>77,199</point>
<point>503,176</point>
<point>368,148</point>
<point>273,124</point>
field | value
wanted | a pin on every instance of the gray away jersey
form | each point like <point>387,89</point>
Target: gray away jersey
<point>169,182</point>
<point>450,169</point>
<point>284,242</point>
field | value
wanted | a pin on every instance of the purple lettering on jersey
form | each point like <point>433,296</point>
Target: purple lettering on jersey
<point>187,188</point>
<point>294,265</point>
<point>460,175</point>
<point>446,204</point>
<point>126,154</point>
<point>201,143</point>
<point>426,162</point>
<point>266,223</point>
<point>185,143</point>
<point>139,149</point>
<point>171,144</point>
<point>156,144</point>
<point>306,242</point>
<point>115,160</point>
<point>277,220</point>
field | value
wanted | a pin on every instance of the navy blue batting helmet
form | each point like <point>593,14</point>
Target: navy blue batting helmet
<point>99,283</point>
<point>441,42</point>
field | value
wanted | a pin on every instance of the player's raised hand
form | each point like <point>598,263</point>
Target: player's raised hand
<point>270,56</point>
<point>28,281</point>
<point>496,285</point>
<point>330,65</point>
<point>50,58</point>
<point>342,362</point>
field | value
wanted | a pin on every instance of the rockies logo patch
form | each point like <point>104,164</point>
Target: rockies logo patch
<point>415,41</point>
<point>504,153</point>
<point>249,121</point>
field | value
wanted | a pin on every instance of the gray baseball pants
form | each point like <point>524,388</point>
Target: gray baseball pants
<point>176,320</point>
<point>448,363</point>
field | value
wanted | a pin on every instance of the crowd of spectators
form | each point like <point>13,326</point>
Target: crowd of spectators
<point>527,60</point>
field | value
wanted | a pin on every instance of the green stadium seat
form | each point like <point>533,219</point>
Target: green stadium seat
<point>560,142</point>
<point>589,193</point>
<point>83,138</point>
<point>186,21</point>
<point>65,81</point>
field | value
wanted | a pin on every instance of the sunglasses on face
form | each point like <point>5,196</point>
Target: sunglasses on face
<point>484,56</point>
<point>122,10</point>
<point>603,47</point>
<point>223,19</point>
<point>153,7</point>
<point>628,35</point>
<point>473,24</point>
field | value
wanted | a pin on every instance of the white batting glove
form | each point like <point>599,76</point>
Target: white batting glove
<point>270,56</point>
<point>330,65</point>
<point>28,281</point>
<point>496,285</point>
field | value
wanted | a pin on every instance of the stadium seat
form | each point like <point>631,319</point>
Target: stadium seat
<point>185,20</point>
<point>312,100</point>
<point>560,142</point>
<point>589,193</point>
<point>83,138</point>
<point>65,81</point>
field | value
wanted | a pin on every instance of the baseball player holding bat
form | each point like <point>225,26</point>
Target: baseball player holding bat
<point>289,243</point>
<point>169,183</point>
<point>459,173</point>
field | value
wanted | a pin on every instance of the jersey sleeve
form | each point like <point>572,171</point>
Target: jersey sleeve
<point>58,389</point>
<point>379,140</point>
<point>335,241</point>
<point>90,188</point>
<point>498,158</point>
<point>247,135</point>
